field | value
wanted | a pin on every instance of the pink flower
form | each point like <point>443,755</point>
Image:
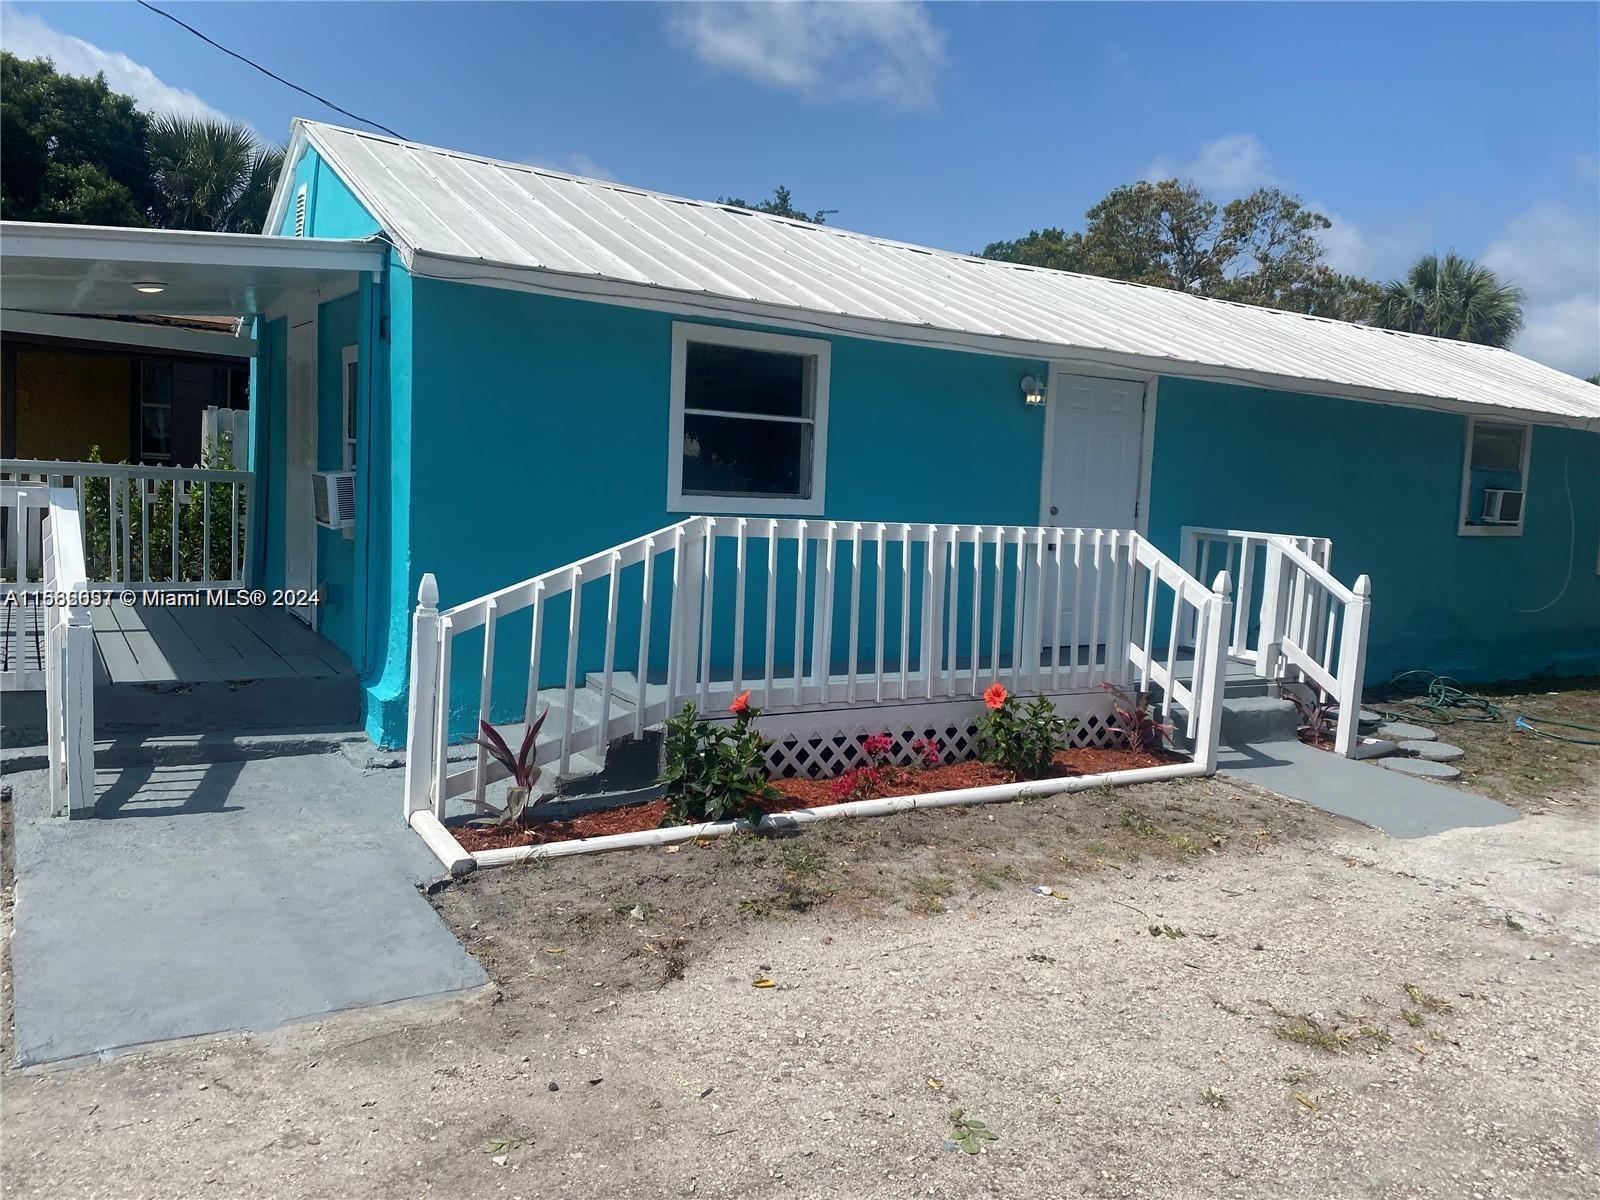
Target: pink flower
<point>929,750</point>
<point>878,746</point>
<point>741,703</point>
<point>996,696</point>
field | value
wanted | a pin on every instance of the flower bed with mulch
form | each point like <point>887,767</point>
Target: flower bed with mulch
<point>808,793</point>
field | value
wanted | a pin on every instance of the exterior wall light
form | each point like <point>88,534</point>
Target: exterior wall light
<point>1032,390</point>
<point>150,287</point>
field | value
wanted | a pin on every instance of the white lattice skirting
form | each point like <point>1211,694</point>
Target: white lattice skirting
<point>820,745</point>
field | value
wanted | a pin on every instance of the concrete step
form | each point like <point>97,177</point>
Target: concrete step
<point>1249,720</point>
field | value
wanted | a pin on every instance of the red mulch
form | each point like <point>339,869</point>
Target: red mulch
<point>804,793</point>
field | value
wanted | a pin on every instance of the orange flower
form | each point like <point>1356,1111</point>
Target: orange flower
<point>741,703</point>
<point>996,696</point>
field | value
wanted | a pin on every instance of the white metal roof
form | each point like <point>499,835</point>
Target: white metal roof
<point>461,216</point>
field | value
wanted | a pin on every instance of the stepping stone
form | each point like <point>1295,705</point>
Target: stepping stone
<point>1420,767</point>
<point>1400,731</point>
<point>1374,748</point>
<point>1365,717</point>
<point>1438,752</point>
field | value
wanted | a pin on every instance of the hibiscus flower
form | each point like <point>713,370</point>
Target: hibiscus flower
<point>741,703</point>
<point>996,696</point>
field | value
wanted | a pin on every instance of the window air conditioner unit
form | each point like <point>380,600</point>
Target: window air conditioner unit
<point>333,498</point>
<point>1501,506</point>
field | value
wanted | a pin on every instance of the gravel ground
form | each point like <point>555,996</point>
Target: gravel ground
<point>1227,995</point>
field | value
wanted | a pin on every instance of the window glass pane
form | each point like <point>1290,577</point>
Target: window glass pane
<point>735,380</point>
<point>155,381</point>
<point>155,431</point>
<point>194,384</point>
<point>730,456</point>
<point>350,400</point>
<point>1497,447</point>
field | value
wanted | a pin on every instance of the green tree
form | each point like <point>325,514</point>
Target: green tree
<point>1264,248</point>
<point>71,149</point>
<point>1452,297</point>
<point>1052,247</point>
<point>781,205</point>
<point>212,175</point>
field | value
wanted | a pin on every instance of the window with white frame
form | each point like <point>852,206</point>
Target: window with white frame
<point>351,387</point>
<point>1494,476</point>
<point>749,421</point>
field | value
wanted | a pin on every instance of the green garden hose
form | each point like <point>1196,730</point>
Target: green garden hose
<point>1531,725</point>
<point>1437,696</point>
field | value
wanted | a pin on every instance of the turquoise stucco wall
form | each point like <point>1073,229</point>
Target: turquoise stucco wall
<point>332,210</point>
<point>542,427</point>
<point>1385,484</point>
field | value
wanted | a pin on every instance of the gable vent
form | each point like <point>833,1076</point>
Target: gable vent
<point>300,212</point>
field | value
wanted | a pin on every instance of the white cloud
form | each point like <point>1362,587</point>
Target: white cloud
<point>28,36</point>
<point>1552,252</point>
<point>1235,163</point>
<point>886,52</point>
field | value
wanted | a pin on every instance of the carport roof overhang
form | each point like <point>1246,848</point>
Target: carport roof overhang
<point>93,269</point>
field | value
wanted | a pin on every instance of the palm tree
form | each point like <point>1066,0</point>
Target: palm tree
<point>1451,297</point>
<point>212,175</point>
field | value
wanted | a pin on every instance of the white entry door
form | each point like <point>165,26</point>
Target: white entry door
<point>300,459</point>
<point>1092,452</point>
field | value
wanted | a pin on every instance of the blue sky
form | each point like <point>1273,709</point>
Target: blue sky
<point>1416,127</point>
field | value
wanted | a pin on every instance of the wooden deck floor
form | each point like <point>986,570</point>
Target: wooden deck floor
<point>199,644</point>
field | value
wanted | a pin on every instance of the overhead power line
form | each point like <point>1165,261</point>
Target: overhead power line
<point>269,74</point>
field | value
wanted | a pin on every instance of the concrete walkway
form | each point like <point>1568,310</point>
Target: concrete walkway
<point>218,896</point>
<point>1401,806</point>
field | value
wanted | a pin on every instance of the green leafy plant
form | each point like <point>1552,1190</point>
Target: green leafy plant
<point>1021,739</point>
<point>968,1134</point>
<point>714,771</point>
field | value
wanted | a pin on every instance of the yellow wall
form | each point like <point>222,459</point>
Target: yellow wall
<point>69,401</point>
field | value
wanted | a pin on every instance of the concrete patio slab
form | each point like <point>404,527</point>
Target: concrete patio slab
<point>218,896</point>
<point>1401,806</point>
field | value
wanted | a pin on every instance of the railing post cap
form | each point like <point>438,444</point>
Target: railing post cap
<point>1223,585</point>
<point>1363,586</point>
<point>428,593</point>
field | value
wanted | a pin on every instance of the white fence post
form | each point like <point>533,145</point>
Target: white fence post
<point>420,745</point>
<point>1219,620</point>
<point>1352,665</point>
<point>77,711</point>
<point>1273,611</point>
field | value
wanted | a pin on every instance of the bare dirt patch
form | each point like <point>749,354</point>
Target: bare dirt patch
<point>1206,999</point>
<point>1529,772</point>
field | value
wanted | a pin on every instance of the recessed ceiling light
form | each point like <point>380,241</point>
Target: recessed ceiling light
<point>150,287</point>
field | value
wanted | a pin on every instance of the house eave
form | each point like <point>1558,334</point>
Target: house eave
<point>601,289</point>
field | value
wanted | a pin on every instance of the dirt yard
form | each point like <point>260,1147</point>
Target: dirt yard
<point>1218,993</point>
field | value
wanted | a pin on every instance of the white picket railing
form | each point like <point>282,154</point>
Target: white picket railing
<point>1313,628</point>
<point>1307,626</point>
<point>1243,554</point>
<point>807,615</point>
<point>61,592</point>
<point>159,527</point>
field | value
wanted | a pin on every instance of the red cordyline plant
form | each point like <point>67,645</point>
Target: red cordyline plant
<point>1133,722</point>
<point>1318,714</point>
<point>524,772</point>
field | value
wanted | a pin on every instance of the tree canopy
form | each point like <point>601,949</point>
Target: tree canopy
<point>72,150</point>
<point>1263,248</point>
<point>1451,297</point>
<point>781,204</point>
<point>75,152</point>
